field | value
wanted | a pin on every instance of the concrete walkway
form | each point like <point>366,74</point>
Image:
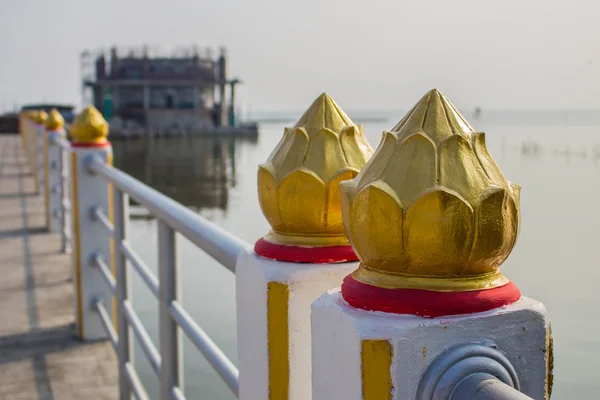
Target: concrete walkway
<point>40,357</point>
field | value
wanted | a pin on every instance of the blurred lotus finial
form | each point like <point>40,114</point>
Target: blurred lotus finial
<point>431,209</point>
<point>39,116</point>
<point>55,120</point>
<point>89,127</point>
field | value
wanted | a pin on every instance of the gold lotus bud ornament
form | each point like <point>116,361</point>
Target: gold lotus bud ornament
<point>431,211</point>
<point>299,190</point>
<point>55,120</point>
<point>89,127</point>
<point>39,116</point>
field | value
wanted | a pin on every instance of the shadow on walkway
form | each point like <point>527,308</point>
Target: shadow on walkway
<point>37,343</point>
<point>21,232</point>
<point>41,357</point>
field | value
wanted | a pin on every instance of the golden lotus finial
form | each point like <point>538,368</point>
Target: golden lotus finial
<point>431,209</point>
<point>55,120</point>
<point>89,127</point>
<point>298,186</point>
<point>39,116</point>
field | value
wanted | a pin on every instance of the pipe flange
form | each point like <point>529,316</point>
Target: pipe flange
<point>457,363</point>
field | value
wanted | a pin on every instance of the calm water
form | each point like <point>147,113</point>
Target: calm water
<point>555,156</point>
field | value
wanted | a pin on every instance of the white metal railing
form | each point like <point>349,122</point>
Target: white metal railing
<point>166,360</point>
<point>172,217</point>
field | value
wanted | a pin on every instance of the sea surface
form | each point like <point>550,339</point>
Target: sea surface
<point>554,155</point>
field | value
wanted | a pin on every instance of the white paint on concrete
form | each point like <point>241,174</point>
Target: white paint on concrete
<point>91,191</point>
<point>518,330</point>
<point>54,182</point>
<point>305,282</point>
<point>336,353</point>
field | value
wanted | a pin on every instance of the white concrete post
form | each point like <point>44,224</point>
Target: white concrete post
<point>360,354</point>
<point>428,311</point>
<point>90,238</point>
<point>32,157</point>
<point>89,191</point>
<point>39,154</point>
<point>33,149</point>
<point>306,253</point>
<point>25,129</point>
<point>35,130</point>
<point>30,142</point>
<point>52,179</point>
<point>273,323</point>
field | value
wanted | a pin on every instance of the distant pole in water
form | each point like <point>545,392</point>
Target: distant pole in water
<point>232,118</point>
<point>477,112</point>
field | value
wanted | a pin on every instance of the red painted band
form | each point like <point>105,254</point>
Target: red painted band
<point>426,303</point>
<point>103,144</point>
<point>298,254</point>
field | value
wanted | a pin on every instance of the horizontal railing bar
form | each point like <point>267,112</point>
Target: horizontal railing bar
<point>98,215</point>
<point>136,384</point>
<point>98,261</point>
<point>142,335</point>
<point>219,361</point>
<point>141,268</point>
<point>106,322</point>
<point>177,394</point>
<point>215,241</point>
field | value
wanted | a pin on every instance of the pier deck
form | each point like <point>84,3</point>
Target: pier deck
<point>40,356</point>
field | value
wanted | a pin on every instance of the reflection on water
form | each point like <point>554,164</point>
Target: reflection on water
<point>196,172</point>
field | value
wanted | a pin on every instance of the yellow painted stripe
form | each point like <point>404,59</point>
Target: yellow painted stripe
<point>35,161</point>
<point>46,183</point>
<point>77,245</point>
<point>113,254</point>
<point>376,358</point>
<point>278,340</point>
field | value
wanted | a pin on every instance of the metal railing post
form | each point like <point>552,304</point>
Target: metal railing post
<point>125,351</point>
<point>171,373</point>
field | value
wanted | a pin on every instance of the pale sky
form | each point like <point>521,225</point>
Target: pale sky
<point>368,54</point>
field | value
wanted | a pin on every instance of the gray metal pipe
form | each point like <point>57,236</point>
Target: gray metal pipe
<point>482,386</point>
